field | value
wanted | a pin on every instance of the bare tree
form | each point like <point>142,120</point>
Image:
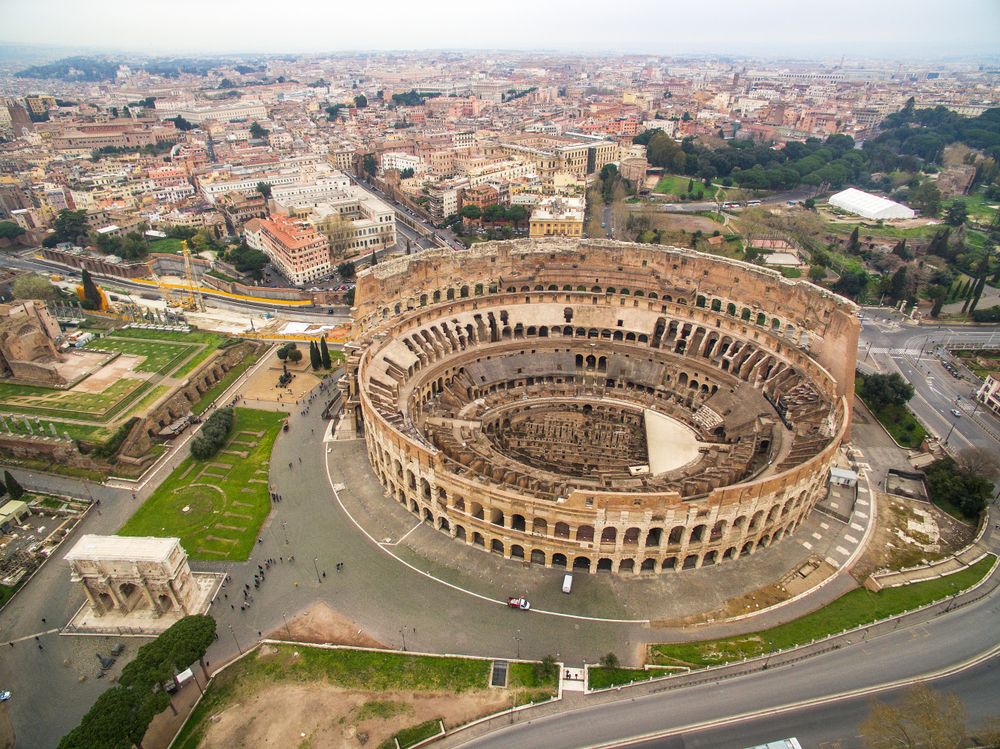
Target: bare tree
<point>922,719</point>
<point>979,461</point>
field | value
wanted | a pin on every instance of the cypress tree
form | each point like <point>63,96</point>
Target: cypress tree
<point>314,357</point>
<point>90,291</point>
<point>15,489</point>
<point>324,353</point>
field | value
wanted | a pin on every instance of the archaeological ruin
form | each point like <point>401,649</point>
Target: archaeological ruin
<point>597,405</point>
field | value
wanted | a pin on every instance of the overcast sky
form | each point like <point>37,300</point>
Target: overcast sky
<point>854,28</point>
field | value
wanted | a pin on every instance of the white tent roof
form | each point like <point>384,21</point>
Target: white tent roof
<point>867,205</point>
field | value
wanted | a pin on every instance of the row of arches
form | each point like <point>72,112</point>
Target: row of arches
<point>719,305</point>
<point>590,563</point>
<point>434,505</point>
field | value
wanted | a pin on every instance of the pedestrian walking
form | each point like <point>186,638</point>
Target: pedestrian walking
<point>43,620</point>
<point>40,646</point>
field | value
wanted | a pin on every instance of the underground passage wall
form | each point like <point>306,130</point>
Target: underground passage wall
<point>516,396</point>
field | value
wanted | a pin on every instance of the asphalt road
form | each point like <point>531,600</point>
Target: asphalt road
<point>953,638</point>
<point>889,345</point>
<point>835,723</point>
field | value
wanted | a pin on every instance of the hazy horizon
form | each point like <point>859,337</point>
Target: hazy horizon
<point>775,29</point>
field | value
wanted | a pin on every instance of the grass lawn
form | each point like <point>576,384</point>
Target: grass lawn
<point>169,245</point>
<point>599,677</point>
<point>374,671</point>
<point>980,209</point>
<point>851,610</point>
<point>410,736</point>
<point>675,184</point>
<point>226,496</point>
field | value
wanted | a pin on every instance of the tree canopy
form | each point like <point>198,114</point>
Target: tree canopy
<point>10,230</point>
<point>881,390</point>
<point>33,286</point>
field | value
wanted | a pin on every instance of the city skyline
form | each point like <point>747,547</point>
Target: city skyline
<point>776,29</point>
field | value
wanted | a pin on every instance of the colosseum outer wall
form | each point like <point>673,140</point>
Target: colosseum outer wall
<point>632,532</point>
<point>829,320</point>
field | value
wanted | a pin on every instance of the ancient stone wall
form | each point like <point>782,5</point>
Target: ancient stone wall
<point>446,340</point>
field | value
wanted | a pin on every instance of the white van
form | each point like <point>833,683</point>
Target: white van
<point>567,585</point>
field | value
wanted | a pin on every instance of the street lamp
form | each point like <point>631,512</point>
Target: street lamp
<point>284,528</point>
<point>284,618</point>
<point>316,567</point>
<point>517,639</point>
<point>234,638</point>
<point>953,423</point>
<point>402,633</point>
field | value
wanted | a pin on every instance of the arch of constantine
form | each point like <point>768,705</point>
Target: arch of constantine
<point>597,405</point>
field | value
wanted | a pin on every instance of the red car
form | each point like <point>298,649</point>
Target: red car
<point>518,603</point>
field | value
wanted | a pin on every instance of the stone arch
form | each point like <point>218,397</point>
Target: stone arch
<point>537,557</point>
<point>631,537</point>
<point>604,564</point>
<point>539,527</point>
<point>496,546</point>
<point>648,565</point>
<point>585,533</point>
<point>626,565</point>
<point>581,563</point>
<point>609,535</point>
<point>558,560</point>
<point>669,563</point>
<point>516,551</point>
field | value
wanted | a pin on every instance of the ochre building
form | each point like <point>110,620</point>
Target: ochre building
<point>599,405</point>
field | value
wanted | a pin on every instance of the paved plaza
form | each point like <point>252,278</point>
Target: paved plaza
<point>435,593</point>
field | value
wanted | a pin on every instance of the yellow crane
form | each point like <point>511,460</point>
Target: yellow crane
<point>195,298</point>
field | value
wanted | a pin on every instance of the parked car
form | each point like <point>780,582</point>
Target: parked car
<point>518,603</point>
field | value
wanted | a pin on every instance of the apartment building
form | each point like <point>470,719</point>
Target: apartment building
<point>300,252</point>
<point>353,221</point>
<point>557,217</point>
<point>400,161</point>
<point>989,393</point>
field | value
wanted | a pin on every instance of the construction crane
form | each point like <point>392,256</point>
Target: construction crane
<point>160,284</point>
<point>194,289</point>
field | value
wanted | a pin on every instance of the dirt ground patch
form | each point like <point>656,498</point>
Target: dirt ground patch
<point>7,739</point>
<point>909,533</point>
<point>321,624</point>
<point>112,372</point>
<point>808,575</point>
<point>262,386</point>
<point>318,715</point>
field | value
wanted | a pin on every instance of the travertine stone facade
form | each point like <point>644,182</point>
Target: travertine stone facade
<point>124,574</point>
<point>501,394</point>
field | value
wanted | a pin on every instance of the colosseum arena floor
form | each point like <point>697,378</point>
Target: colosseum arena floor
<point>540,406</point>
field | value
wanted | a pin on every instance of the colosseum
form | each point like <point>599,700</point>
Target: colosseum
<point>599,405</point>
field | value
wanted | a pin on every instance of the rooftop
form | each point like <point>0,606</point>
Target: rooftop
<point>123,548</point>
